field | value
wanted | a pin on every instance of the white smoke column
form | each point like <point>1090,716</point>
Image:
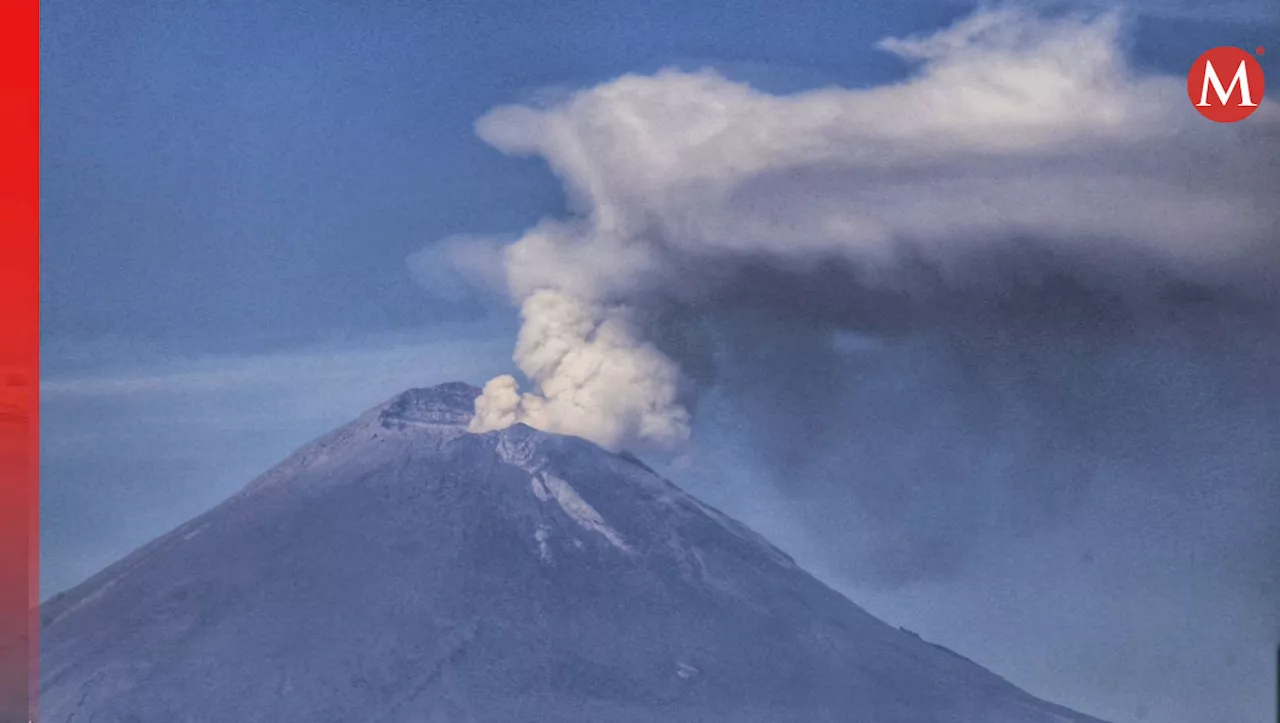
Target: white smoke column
<point>596,379</point>
<point>1013,125</point>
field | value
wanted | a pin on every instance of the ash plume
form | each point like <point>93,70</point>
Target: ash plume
<point>597,378</point>
<point>1016,135</point>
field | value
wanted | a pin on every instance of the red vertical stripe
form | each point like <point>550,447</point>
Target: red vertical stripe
<point>19,352</point>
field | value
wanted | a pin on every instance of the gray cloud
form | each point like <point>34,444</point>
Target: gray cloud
<point>1018,137</point>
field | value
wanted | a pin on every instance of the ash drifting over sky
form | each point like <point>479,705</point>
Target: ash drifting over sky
<point>1023,155</point>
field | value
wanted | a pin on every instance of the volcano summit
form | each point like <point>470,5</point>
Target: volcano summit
<point>403,570</point>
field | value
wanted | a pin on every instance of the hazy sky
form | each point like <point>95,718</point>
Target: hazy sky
<point>230,195</point>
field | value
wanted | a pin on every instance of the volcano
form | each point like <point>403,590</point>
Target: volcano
<point>403,570</point>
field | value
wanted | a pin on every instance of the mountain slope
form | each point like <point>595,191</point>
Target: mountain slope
<point>402,570</point>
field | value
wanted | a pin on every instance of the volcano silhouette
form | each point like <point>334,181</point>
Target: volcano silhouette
<point>404,570</point>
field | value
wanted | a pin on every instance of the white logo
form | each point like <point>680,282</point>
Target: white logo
<point>1241,78</point>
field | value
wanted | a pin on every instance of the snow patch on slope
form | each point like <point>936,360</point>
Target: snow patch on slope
<point>544,551</point>
<point>581,511</point>
<point>520,452</point>
<point>539,489</point>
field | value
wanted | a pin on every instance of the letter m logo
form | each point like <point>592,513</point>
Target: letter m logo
<point>1241,78</point>
<point>1230,101</point>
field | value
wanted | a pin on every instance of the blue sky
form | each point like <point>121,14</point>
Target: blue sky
<point>230,192</point>
<point>251,175</point>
